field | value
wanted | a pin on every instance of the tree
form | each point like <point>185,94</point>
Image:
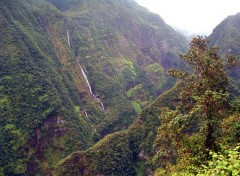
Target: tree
<point>205,94</point>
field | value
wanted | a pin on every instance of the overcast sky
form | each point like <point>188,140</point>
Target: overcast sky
<point>194,16</point>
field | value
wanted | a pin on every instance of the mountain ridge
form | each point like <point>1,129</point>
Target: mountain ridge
<point>226,36</point>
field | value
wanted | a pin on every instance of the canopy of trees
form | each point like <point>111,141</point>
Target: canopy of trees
<point>190,131</point>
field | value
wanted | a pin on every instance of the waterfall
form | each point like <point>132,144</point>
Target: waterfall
<point>86,79</point>
<point>101,103</point>
<point>89,86</point>
<point>85,113</point>
<point>68,39</point>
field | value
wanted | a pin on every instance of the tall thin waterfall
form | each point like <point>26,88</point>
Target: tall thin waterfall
<point>101,103</point>
<point>85,112</point>
<point>85,77</point>
<point>68,39</point>
<point>89,86</point>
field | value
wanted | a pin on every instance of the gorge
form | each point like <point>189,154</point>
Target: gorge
<point>84,85</point>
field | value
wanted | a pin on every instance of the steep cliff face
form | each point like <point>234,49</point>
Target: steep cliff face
<point>35,85</point>
<point>74,71</point>
<point>125,52</point>
<point>227,36</point>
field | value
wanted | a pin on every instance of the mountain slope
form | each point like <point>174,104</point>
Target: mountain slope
<point>125,51</point>
<point>60,60</point>
<point>226,36</point>
<point>37,98</point>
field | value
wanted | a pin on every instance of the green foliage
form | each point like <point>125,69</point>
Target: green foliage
<point>188,132</point>
<point>225,163</point>
<point>231,132</point>
<point>77,109</point>
<point>222,163</point>
<point>136,107</point>
<point>205,94</point>
<point>134,90</point>
<point>166,137</point>
<point>13,157</point>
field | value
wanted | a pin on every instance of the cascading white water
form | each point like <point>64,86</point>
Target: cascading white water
<point>85,112</point>
<point>101,103</point>
<point>68,39</point>
<point>85,77</point>
<point>89,86</point>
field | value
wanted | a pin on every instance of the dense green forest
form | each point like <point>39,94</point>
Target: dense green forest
<point>105,87</point>
<point>192,129</point>
<point>46,106</point>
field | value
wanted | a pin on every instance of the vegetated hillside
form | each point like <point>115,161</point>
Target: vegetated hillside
<point>174,134</point>
<point>124,152</point>
<point>40,121</point>
<point>125,51</point>
<point>52,54</point>
<point>227,36</point>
